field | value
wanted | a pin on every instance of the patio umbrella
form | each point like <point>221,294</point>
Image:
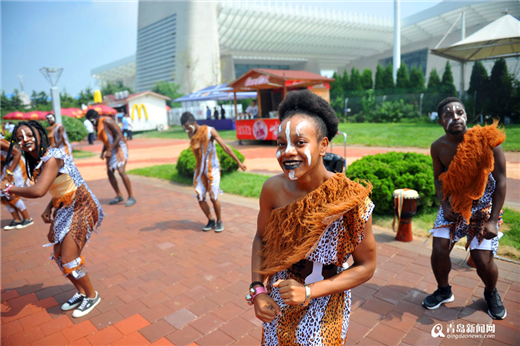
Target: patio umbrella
<point>36,115</point>
<point>72,112</point>
<point>102,109</point>
<point>14,116</point>
<point>499,39</point>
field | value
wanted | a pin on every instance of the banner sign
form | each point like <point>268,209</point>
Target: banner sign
<point>257,129</point>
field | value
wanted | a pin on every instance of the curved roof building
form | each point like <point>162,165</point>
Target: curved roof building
<point>197,44</point>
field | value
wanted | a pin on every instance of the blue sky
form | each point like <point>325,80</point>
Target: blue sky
<point>82,35</point>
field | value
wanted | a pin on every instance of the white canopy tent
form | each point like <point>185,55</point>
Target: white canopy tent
<point>499,39</point>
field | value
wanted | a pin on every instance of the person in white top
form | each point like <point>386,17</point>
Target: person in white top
<point>90,129</point>
<point>253,109</point>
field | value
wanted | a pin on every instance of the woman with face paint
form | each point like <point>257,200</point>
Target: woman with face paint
<point>73,212</point>
<point>310,222</point>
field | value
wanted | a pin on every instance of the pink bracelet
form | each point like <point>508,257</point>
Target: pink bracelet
<point>6,191</point>
<point>258,290</point>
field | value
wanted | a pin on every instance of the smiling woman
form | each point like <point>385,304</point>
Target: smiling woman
<point>310,222</point>
<point>76,214</point>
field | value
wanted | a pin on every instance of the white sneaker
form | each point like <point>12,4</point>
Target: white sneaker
<point>86,306</point>
<point>73,302</point>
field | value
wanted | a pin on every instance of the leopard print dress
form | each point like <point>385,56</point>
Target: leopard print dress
<point>325,320</point>
<point>79,213</point>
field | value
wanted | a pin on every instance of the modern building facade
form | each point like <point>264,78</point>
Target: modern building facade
<point>198,44</point>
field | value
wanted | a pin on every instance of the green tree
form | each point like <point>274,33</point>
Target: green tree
<point>448,88</point>
<point>168,89</point>
<point>67,101</point>
<point>355,80</point>
<point>434,82</point>
<point>417,80</point>
<point>345,82</point>
<point>16,102</point>
<point>111,88</point>
<point>85,96</point>
<point>479,78</point>
<point>500,90</point>
<point>388,78</point>
<point>366,79</point>
<point>403,79</point>
<point>379,84</point>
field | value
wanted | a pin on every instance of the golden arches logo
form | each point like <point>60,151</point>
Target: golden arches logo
<point>139,108</point>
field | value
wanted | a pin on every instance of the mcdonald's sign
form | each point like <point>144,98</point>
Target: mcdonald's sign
<point>139,108</point>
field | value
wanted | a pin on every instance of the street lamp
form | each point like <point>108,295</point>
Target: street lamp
<point>52,75</point>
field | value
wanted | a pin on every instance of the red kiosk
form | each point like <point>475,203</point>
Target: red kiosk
<point>271,87</point>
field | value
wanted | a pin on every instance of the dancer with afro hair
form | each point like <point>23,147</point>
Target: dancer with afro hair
<point>73,212</point>
<point>310,222</point>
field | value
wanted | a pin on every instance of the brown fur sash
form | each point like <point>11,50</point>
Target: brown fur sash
<point>466,178</point>
<point>294,230</point>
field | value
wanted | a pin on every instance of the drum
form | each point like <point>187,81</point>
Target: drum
<point>405,204</point>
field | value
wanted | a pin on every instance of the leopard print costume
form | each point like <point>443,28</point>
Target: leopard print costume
<point>325,320</point>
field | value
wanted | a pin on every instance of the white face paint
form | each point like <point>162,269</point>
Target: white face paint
<point>24,136</point>
<point>449,123</point>
<point>309,157</point>
<point>300,126</point>
<point>291,175</point>
<point>20,143</point>
<point>50,118</point>
<point>279,128</point>
<point>288,136</point>
<point>278,154</point>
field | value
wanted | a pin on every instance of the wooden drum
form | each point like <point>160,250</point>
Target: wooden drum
<point>405,203</point>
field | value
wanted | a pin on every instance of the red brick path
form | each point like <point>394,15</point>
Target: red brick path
<point>163,281</point>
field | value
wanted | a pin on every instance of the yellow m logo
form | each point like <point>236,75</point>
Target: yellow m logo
<point>139,108</point>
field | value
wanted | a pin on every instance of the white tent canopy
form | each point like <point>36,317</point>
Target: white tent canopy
<point>499,39</point>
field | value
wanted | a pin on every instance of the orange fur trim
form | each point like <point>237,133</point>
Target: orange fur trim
<point>466,178</point>
<point>293,231</point>
<point>68,271</point>
<point>102,135</point>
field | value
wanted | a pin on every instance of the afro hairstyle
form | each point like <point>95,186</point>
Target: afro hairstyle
<point>445,102</point>
<point>91,113</point>
<point>309,104</point>
<point>187,118</point>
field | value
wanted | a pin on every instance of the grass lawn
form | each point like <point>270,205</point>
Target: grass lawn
<point>81,154</point>
<point>419,135</point>
<point>177,132</point>
<point>236,183</point>
<point>423,222</point>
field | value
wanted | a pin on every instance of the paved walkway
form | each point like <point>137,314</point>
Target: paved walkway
<point>163,281</point>
<point>260,158</point>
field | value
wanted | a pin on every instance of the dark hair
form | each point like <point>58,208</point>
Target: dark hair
<point>91,114</point>
<point>312,105</point>
<point>30,161</point>
<point>187,118</point>
<point>445,102</point>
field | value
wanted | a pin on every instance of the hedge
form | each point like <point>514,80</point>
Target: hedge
<point>76,130</point>
<point>396,170</point>
<point>186,161</point>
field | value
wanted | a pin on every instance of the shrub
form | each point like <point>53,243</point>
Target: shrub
<point>75,128</point>
<point>393,170</point>
<point>186,161</point>
<point>392,112</point>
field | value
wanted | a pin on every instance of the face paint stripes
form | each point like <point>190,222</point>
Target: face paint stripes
<point>291,175</point>
<point>278,154</point>
<point>288,136</point>
<point>309,157</point>
<point>300,126</point>
<point>24,137</point>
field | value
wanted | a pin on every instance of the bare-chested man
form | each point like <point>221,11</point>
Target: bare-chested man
<point>58,136</point>
<point>469,170</point>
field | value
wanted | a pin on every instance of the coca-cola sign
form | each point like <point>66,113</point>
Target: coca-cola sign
<point>260,80</point>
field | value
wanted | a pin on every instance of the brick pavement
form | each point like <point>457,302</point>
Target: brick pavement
<point>164,282</point>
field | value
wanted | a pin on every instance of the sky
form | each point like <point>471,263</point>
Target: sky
<point>82,35</point>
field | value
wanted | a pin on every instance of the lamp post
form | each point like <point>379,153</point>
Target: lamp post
<point>52,75</point>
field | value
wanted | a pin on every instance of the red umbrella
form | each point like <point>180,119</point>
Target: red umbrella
<point>35,115</point>
<point>102,109</point>
<point>15,116</point>
<point>168,108</point>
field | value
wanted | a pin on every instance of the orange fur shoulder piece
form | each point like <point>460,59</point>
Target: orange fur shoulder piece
<point>200,138</point>
<point>293,231</point>
<point>466,178</point>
